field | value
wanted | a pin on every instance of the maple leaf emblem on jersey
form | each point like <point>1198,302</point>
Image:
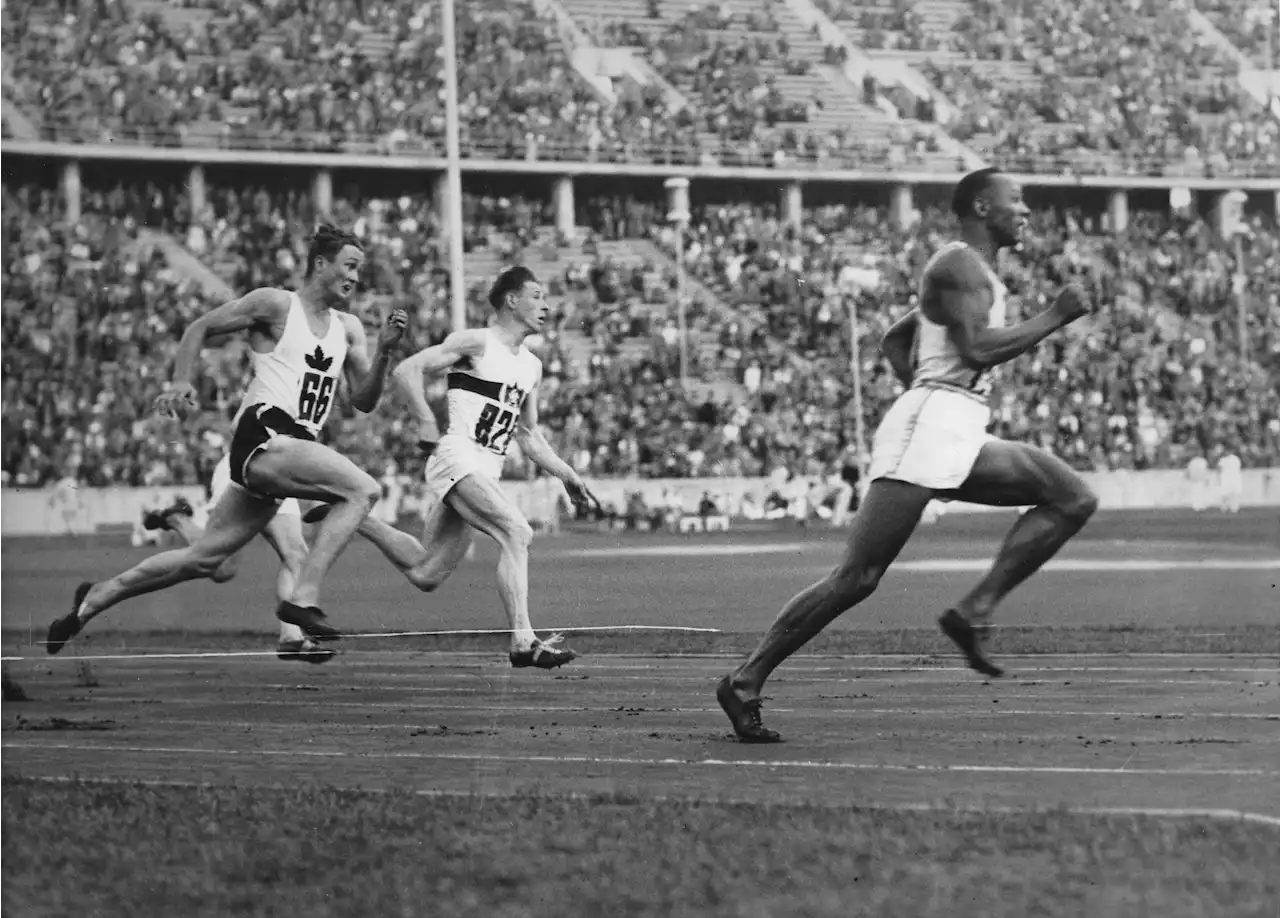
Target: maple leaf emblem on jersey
<point>318,361</point>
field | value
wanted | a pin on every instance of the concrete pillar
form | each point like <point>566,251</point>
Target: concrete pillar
<point>71,189</point>
<point>440,201</point>
<point>902,206</point>
<point>196,189</point>
<point>793,204</point>
<point>1275,207</point>
<point>1118,210</point>
<point>677,200</point>
<point>566,208</point>
<point>322,192</point>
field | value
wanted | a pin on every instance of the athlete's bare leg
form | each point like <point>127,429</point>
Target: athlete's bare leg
<point>1017,475</point>
<point>427,563</point>
<point>190,532</point>
<point>482,503</point>
<point>235,520</point>
<point>479,503</point>
<point>283,534</point>
<point>881,527</point>
<point>290,467</point>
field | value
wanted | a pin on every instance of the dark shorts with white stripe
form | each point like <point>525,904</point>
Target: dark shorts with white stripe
<point>259,425</point>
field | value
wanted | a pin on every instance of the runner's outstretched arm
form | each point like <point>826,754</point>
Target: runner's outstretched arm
<point>536,448</point>
<point>409,378</point>
<point>257,307</point>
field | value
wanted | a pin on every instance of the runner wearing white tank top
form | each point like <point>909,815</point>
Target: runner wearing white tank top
<point>302,343</point>
<point>933,442</point>
<point>492,400</point>
<point>485,396</point>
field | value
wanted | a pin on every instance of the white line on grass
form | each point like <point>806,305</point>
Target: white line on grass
<point>806,764</point>
<point>1223,815</point>
<point>1081,565</point>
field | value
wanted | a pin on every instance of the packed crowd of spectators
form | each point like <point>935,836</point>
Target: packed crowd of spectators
<point>1122,78</point>
<point>884,25</point>
<point>91,321</point>
<point>1129,79</point>
<point>333,75</point>
<point>1253,26</point>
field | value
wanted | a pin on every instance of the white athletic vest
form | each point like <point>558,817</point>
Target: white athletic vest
<point>487,392</point>
<point>937,359</point>
<point>300,374</point>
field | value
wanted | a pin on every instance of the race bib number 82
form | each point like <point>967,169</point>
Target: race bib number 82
<point>494,427</point>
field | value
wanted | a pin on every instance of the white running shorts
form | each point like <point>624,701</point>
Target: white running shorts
<point>455,458</point>
<point>222,480</point>
<point>930,437</point>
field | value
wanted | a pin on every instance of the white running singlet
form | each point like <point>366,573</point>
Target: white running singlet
<point>937,359</point>
<point>300,374</point>
<point>487,392</point>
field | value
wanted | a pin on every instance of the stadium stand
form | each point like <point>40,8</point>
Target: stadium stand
<point>93,307</point>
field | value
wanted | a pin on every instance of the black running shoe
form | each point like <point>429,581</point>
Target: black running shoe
<point>67,627</point>
<point>159,519</point>
<point>310,619</point>
<point>304,651</point>
<point>317,513</point>
<point>969,639</point>
<point>744,715</point>
<point>543,654</point>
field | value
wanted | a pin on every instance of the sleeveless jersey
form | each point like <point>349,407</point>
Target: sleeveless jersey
<point>937,359</point>
<point>487,392</point>
<point>300,374</point>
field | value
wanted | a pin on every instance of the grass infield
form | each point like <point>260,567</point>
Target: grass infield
<point>108,849</point>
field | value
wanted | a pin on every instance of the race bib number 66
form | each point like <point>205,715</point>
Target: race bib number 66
<point>317,393</point>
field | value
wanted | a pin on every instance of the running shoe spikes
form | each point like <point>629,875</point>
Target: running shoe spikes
<point>543,654</point>
<point>310,619</point>
<point>159,519</point>
<point>969,639</point>
<point>67,627</point>
<point>304,651</point>
<point>744,714</point>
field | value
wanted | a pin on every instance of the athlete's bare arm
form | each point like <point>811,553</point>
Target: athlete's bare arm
<point>265,309</point>
<point>409,378</point>
<point>958,295</point>
<point>367,378</point>
<point>538,451</point>
<point>898,346</point>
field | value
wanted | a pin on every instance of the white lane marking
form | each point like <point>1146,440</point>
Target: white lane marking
<point>623,707</point>
<point>645,762</point>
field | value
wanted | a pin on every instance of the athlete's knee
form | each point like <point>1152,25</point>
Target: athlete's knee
<point>1079,503</point>
<point>205,563</point>
<point>516,533</point>
<point>362,488</point>
<point>224,572</point>
<point>851,585</point>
